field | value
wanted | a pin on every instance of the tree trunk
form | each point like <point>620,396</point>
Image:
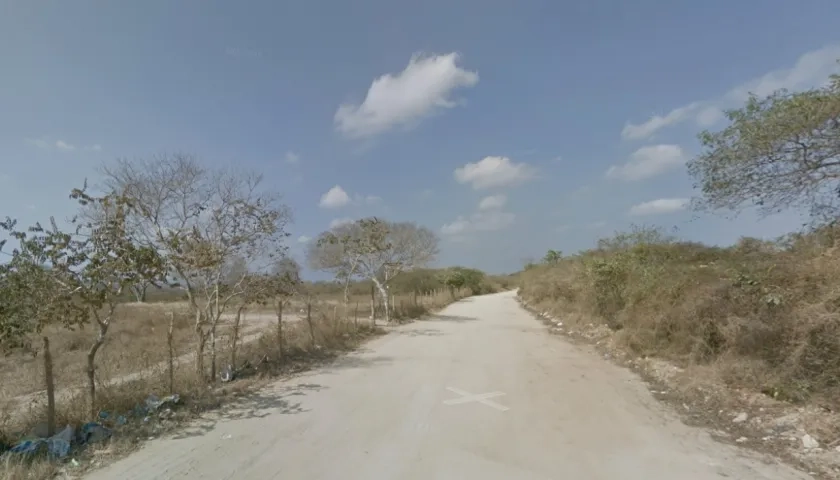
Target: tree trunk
<point>48,379</point>
<point>233,343</point>
<point>199,346</point>
<point>213,353</point>
<point>384,294</point>
<point>139,291</point>
<point>91,366</point>
<point>199,357</point>
<point>170,345</point>
<point>372,305</point>
<point>280,327</point>
<point>309,321</point>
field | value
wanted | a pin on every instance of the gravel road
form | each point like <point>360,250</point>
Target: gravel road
<point>480,392</point>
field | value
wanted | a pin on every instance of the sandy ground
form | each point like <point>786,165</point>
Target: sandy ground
<point>479,392</point>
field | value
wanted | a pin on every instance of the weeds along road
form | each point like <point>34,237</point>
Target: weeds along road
<point>480,392</point>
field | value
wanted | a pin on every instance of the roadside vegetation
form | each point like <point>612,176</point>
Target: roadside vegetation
<point>761,314</point>
<point>171,292</point>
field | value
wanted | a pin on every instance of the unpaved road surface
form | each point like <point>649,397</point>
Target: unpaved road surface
<point>480,392</point>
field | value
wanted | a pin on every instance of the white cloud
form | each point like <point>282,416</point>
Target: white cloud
<point>494,172</point>
<point>479,222</point>
<point>812,69</point>
<point>659,206</point>
<point>62,145</point>
<point>341,221</point>
<point>292,157</point>
<point>658,122</point>
<point>335,197</point>
<point>492,202</point>
<point>303,239</point>
<point>403,99</point>
<point>648,162</point>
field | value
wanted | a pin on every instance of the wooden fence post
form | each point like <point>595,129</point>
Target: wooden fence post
<point>48,378</point>
<point>309,320</point>
<point>170,345</point>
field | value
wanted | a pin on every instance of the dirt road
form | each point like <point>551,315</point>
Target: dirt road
<point>481,392</point>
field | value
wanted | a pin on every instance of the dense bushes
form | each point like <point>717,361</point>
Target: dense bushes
<point>768,313</point>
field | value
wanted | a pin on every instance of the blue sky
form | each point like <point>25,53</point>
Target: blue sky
<point>509,127</point>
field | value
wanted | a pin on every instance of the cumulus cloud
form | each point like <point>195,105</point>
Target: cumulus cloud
<point>494,172</point>
<point>659,206</point>
<point>492,202</point>
<point>303,239</point>
<point>479,222</point>
<point>62,145</point>
<point>403,99</point>
<point>335,197</point>
<point>811,70</point>
<point>648,162</point>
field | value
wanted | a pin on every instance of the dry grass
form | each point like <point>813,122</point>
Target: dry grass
<point>138,344</point>
<point>762,315</point>
<point>136,339</point>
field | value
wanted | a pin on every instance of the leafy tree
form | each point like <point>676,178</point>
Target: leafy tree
<point>374,249</point>
<point>778,152</point>
<point>33,293</point>
<point>89,269</point>
<point>553,256</point>
<point>461,277</point>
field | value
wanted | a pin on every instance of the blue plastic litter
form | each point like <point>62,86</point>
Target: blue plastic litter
<point>92,432</point>
<point>56,446</point>
<point>28,447</point>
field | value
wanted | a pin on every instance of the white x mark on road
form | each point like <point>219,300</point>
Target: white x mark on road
<point>483,398</point>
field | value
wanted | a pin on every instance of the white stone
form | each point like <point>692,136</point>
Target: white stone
<point>741,418</point>
<point>809,442</point>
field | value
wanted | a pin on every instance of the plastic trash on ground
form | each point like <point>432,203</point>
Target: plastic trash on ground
<point>92,432</point>
<point>153,403</point>
<point>56,446</point>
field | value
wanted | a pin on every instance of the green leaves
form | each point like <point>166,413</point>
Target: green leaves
<point>53,276</point>
<point>778,152</point>
<point>553,256</point>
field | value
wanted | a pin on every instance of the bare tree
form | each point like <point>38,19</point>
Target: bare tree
<point>778,152</point>
<point>199,220</point>
<point>374,249</point>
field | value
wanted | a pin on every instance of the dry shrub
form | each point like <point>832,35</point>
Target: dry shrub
<point>767,311</point>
